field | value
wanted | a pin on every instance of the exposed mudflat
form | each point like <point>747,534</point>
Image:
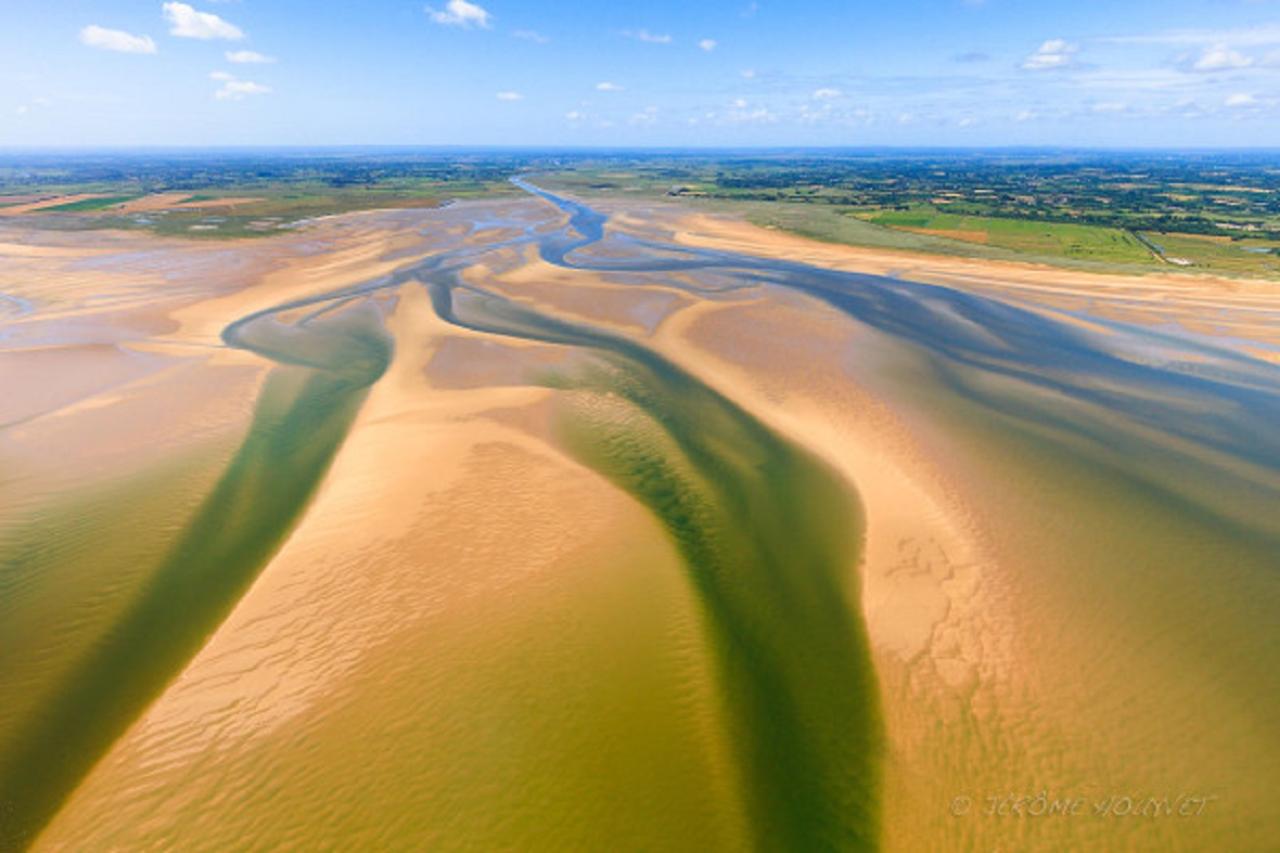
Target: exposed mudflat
<point>522,525</point>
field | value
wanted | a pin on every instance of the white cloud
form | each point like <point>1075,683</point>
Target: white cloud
<point>531,35</point>
<point>509,96</point>
<point>247,57</point>
<point>117,40</point>
<point>1244,37</point>
<point>646,36</point>
<point>221,76</point>
<point>826,94</point>
<point>236,90</point>
<point>574,115</point>
<point>1240,99</point>
<point>741,113</point>
<point>1054,53</point>
<point>607,86</point>
<point>1025,116</point>
<point>1221,58</point>
<point>460,13</point>
<point>186,22</point>
<point>748,73</point>
<point>708,44</point>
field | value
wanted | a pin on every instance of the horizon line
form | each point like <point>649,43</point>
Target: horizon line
<point>551,147</point>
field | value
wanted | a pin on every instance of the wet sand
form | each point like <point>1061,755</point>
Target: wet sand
<point>1224,308</point>
<point>640,538</point>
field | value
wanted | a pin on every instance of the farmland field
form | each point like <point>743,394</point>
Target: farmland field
<point>1035,238</point>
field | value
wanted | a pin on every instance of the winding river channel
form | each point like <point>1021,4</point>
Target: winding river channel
<point>768,533</point>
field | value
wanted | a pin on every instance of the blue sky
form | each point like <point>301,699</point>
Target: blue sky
<point>660,73</point>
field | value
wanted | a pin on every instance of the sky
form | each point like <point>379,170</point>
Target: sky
<point>662,73</point>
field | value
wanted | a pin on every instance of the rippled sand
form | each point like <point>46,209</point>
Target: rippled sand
<point>536,598</point>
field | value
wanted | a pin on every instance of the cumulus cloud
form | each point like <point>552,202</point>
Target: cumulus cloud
<point>708,44</point>
<point>1239,100</point>
<point>646,36</point>
<point>1221,58</point>
<point>509,96</point>
<point>460,13</point>
<point>187,22</point>
<point>607,86</point>
<point>117,40</point>
<point>236,90</point>
<point>826,94</point>
<point>1054,53</point>
<point>248,57</point>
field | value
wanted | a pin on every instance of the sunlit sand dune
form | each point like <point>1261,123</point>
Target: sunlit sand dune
<point>523,525</point>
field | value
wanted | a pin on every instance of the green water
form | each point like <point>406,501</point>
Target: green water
<point>301,419</point>
<point>54,601</point>
<point>769,538</point>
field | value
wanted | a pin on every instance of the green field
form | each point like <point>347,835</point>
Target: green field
<point>1087,242</point>
<point>1244,256</point>
<point>833,225</point>
<point>284,190</point>
<point>278,206</point>
<point>1061,244</point>
<point>88,204</point>
<point>281,207</point>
